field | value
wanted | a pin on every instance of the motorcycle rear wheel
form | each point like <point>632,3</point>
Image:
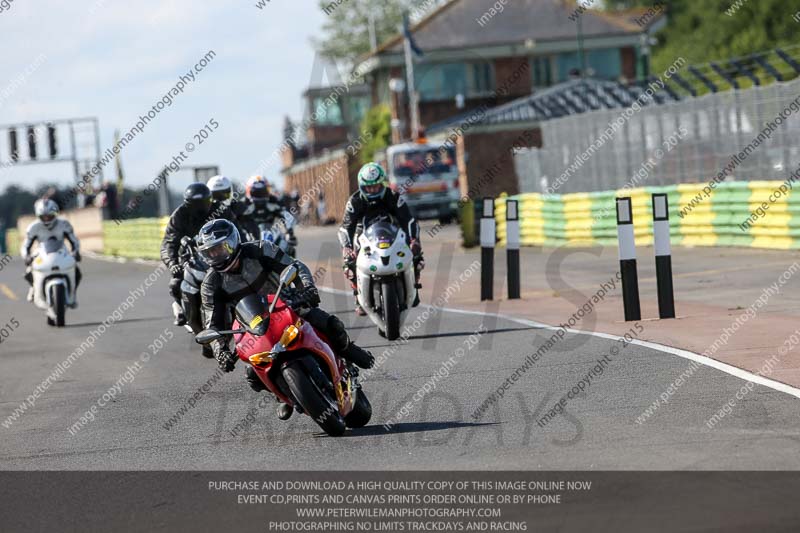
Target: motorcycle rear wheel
<point>315,403</point>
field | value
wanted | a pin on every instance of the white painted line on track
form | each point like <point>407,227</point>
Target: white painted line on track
<point>685,354</point>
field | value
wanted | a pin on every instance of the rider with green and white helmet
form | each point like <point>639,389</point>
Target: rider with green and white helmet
<point>373,198</point>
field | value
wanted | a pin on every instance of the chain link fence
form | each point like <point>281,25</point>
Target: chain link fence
<point>688,141</point>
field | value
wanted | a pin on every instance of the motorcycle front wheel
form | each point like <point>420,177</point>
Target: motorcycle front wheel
<point>361,413</point>
<point>309,393</point>
<point>60,305</point>
<point>391,309</point>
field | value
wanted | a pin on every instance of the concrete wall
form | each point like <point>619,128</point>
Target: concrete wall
<point>88,224</point>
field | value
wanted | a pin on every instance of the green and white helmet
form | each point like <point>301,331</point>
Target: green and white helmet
<point>372,181</point>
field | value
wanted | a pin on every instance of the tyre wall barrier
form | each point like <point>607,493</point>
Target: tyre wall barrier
<point>721,219</point>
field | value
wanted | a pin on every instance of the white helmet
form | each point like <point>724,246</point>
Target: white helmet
<point>47,211</point>
<point>221,188</point>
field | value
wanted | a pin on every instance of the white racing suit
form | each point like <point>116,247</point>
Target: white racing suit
<point>61,230</point>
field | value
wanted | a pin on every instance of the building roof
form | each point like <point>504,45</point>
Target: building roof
<point>569,98</point>
<point>456,25</point>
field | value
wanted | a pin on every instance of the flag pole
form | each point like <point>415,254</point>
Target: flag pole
<point>412,90</point>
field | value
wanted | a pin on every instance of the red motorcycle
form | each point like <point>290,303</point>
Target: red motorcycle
<point>295,362</point>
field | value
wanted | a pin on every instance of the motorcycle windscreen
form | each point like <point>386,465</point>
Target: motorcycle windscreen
<point>251,312</point>
<point>382,231</point>
<point>51,245</point>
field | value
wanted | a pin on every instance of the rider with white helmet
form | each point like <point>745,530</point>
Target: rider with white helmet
<point>49,226</point>
<point>221,188</point>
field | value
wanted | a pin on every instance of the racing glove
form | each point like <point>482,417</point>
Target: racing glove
<point>348,255</point>
<point>29,261</point>
<point>416,247</point>
<point>77,256</point>
<point>226,360</point>
<point>310,296</point>
<point>176,271</point>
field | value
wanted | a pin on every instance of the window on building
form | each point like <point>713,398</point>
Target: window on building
<point>443,81</point>
<point>357,108</point>
<point>542,71</point>
<point>480,79</point>
<point>327,113</point>
<point>604,64</point>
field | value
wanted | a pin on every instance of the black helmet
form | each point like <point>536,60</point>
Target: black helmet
<point>198,197</point>
<point>219,244</point>
<point>259,192</point>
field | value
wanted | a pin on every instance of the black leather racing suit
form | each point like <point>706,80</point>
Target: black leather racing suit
<point>266,212</point>
<point>186,222</point>
<point>258,273</point>
<point>360,211</point>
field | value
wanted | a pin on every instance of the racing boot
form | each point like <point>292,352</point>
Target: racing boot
<point>29,279</point>
<point>359,310</point>
<point>358,356</point>
<point>180,317</point>
<point>341,344</point>
<point>254,381</point>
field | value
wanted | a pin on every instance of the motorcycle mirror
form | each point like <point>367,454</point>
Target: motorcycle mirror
<point>207,336</point>
<point>288,275</point>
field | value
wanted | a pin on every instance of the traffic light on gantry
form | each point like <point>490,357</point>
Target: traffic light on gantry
<point>52,142</point>
<point>32,143</point>
<point>13,145</point>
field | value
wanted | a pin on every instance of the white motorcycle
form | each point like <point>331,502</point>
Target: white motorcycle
<point>54,271</point>
<point>385,272</point>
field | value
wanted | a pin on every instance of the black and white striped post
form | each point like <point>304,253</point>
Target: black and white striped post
<point>661,242</point>
<point>512,248</point>
<point>488,233</point>
<point>627,260</point>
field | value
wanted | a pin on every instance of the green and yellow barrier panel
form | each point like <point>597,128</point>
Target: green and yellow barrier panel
<point>696,219</point>
<point>138,238</point>
<point>12,242</point>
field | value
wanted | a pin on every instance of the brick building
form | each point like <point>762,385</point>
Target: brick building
<point>478,58</point>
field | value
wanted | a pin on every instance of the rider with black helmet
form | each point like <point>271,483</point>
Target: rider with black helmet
<point>197,208</point>
<point>238,270</point>
<point>263,207</point>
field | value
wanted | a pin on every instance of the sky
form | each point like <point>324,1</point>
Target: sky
<point>115,59</point>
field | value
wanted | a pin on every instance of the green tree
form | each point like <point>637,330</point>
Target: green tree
<point>702,30</point>
<point>346,31</point>
<point>376,128</point>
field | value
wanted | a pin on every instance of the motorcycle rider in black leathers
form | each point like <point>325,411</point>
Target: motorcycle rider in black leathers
<point>198,208</point>
<point>372,199</point>
<point>238,270</point>
<point>264,207</point>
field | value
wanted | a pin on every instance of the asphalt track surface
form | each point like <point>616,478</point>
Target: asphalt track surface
<point>597,432</point>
